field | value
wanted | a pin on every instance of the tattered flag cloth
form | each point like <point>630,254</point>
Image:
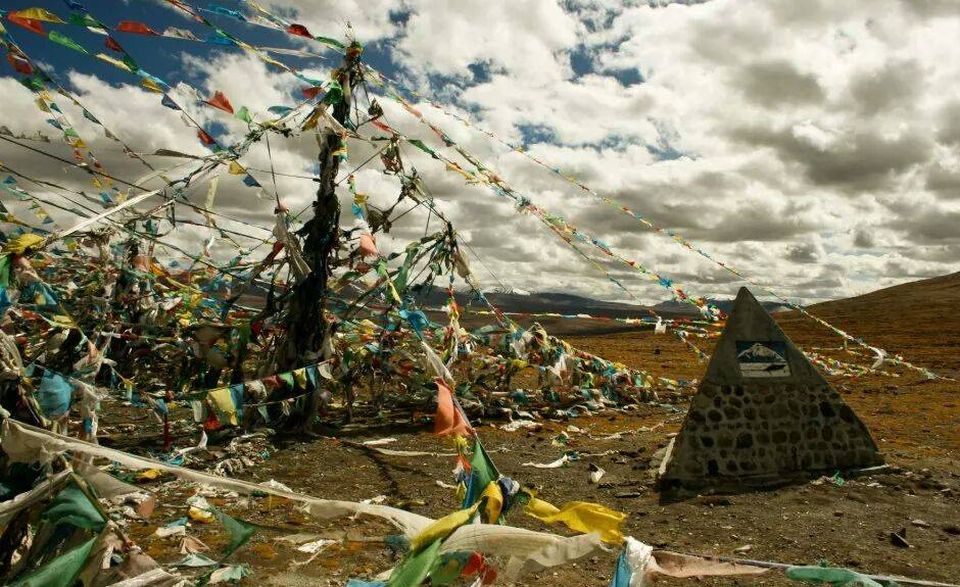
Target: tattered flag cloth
<point>240,532</point>
<point>414,569</point>
<point>639,563</point>
<point>61,571</point>
<point>449,419</point>
<point>580,516</point>
<point>443,527</point>
<point>534,551</point>
<point>482,473</point>
<point>72,507</point>
<point>54,395</point>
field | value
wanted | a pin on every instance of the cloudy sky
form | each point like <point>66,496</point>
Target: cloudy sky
<point>814,146</point>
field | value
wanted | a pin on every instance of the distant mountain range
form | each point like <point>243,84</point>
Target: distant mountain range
<point>549,302</point>
<point>537,303</point>
<point>566,303</point>
<point>674,306</point>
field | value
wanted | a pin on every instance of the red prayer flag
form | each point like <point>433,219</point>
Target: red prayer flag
<point>383,127</point>
<point>133,26</point>
<point>20,64</point>
<point>299,29</point>
<point>220,101</point>
<point>113,44</point>
<point>312,92</point>
<point>204,137</point>
<point>28,23</point>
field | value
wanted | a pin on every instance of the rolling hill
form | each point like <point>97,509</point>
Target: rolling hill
<point>918,320</point>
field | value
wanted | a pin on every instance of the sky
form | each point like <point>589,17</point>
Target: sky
<point>814,146</point>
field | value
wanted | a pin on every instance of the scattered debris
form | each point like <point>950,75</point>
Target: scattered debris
<point>566,458</point>
<point>596,473</point>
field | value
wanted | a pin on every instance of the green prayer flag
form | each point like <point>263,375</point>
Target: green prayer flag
<point>61,39</point>
<point>5,270</point>
<point>334,93</point>
<point>240,532</point>
<point>331,42</point>
<point>71,506</point>
<point>420,145</point>
<point>130,63</point>
<point>61,571</point>
<point>415,568</point>
<point>830,576</point>
<point>86,20</point>
<point>482,472</point>
<point>244,115</point>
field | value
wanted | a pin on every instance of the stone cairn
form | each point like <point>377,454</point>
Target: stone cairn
<point>763,414</point>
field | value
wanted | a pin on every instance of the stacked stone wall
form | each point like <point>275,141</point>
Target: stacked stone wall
<point>762,429</point>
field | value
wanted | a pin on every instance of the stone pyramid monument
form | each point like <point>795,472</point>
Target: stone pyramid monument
<point>763,414</point>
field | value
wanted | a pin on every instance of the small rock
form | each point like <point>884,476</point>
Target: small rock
<point>920,523</point>
<point>743,549</point>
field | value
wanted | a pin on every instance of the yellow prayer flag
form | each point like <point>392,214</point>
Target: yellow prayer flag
<point>236,168</point>
<point>443,527</point>
<point>494,502</point>
<point>22,243</point>
<point>580,516</point>
<point>151,85</point>
<point>300,376</point>
<point>113,61</point>
<point>221,400</point>
<point>38,14</point>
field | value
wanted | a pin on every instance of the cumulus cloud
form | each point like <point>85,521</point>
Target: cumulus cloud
<point>815,146</point>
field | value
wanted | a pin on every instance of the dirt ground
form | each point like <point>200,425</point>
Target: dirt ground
<point>914,421</point>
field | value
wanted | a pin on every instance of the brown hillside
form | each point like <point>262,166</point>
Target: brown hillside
<point>918,320</point>
<point>909,414</point>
